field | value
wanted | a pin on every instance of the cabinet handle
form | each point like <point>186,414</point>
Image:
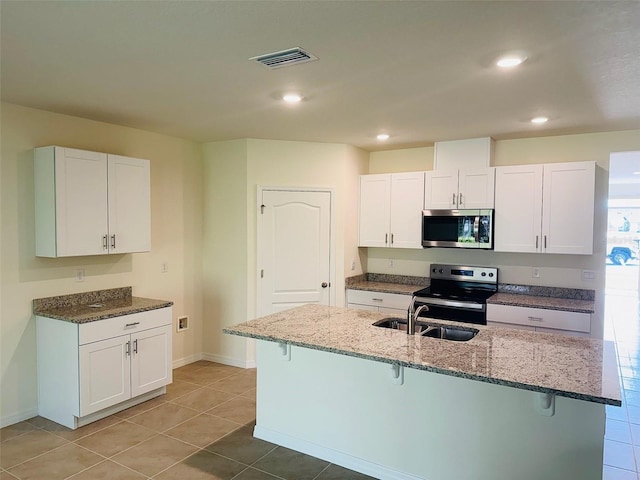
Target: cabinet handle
<point>460,202</point>
<point>104,242</point>
<point>127,348</point>
<point>392,239</point>
<point>545,242</point>
<point>113,241</point>
<point>132,324</point>
<point>536,242</point>
<point>536,319</point>
<point>377,299</point>
<point>135,346</point>
<point>386,238</point>
<point>453,200</point>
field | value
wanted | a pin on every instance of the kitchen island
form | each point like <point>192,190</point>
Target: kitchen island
<point>506,404</point>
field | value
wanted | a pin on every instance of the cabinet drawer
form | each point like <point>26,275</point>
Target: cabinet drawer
<point>539,317</point>
<point>125,324</point>
<point>389,300</point>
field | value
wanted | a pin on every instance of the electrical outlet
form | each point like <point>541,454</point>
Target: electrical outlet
<point>164,267</point>
<point>588,275</point>
<point>535,273</point>
<point>183,323</point>
<point>391,263</point>
<point>353,265</point>
<point>80,275</point>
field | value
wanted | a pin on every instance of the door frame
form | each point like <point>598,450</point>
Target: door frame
<point>259,232</point>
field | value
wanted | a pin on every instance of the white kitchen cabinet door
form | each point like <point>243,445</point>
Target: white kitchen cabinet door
<point>129,205</point>
<point>375,195</point>
<point>150,360</point>
<point>518,208</point>
<point>407,196</point>
<point>70,202</point>
<point>476,188</point>
<point>568,207</point>
<point>441,190</point>
<point>90,203</point>
<point>104,374</point>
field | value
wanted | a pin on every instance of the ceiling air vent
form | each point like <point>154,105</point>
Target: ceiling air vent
<point>285,58</point>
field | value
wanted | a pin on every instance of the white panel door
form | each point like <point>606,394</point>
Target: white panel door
<point>105,374</point>
<point>375,194</point>
<point>568,206</point>
<point>129,205</point>
<point>441,190</point>
<point>407,197</point>
<point>518,211</point>
<point>477,188</point>
<point>150,360</point>
<point>295,249</point>
<point>81,202</point>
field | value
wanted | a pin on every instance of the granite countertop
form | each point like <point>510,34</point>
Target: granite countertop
<point>580,368</point>
<point>549,303</point>
<point>97,305</point>
<point>551,298</point>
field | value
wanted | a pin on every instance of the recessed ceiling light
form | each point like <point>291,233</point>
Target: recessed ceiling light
<point>382,137</point>
<point>539,120</point>
<point>636,173</point>
<point>510,61</point>
<point>292,98</point>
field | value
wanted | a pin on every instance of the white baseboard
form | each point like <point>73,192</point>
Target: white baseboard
<point>18,417</point>
<point>333,456</point>
<point>211,357</point>
<point>234,362</point>
<point>181,362</point>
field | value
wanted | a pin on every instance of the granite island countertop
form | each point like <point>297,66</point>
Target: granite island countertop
<point>580,368</point>
<point>97,305</point>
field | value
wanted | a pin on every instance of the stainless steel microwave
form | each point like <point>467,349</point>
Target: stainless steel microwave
<point>457,228</point>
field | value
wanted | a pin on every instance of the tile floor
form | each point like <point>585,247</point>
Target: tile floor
<point>200,430</point>
<point>622,324</point>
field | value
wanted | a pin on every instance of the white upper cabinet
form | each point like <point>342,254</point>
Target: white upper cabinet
<point>459,189</point>
<point>90,203</point>
<point>391,209</point>
<point>545,208</point>
<point>129,205</point>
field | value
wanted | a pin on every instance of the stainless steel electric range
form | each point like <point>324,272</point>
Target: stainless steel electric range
<point>458,293</point>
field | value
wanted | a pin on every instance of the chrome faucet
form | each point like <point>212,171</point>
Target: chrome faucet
<point>413,315</point>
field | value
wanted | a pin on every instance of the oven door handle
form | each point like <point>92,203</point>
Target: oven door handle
<point>476,229</point>
<point>450,303</point>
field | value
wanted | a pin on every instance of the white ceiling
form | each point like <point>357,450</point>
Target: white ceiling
<point>421,71</point>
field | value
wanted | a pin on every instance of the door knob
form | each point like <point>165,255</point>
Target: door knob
<point>324,285</point>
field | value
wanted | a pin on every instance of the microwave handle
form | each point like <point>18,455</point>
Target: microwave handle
<point>476,229</point>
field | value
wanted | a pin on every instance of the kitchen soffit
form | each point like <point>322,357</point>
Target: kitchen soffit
<point>423,71</point>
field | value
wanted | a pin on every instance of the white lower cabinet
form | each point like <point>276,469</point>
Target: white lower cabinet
<point>391,303</point>
<point>88,371</point>
<point>560,322</point>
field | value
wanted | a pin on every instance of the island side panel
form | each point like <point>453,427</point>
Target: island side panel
<point>436,427</point>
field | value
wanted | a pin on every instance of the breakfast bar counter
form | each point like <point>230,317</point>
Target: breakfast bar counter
<point>505,404</point>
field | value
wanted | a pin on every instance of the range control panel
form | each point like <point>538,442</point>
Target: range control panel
<point>464,273</point>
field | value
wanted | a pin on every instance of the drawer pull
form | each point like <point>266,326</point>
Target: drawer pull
<point>132,324</point>
<point>536,319</point>
<point>377,299</point>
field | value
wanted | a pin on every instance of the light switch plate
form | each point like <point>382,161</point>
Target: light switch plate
<point>588,275</point>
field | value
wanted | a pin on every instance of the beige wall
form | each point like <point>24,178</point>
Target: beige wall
<point>176,216</point>
<point>241,167</point>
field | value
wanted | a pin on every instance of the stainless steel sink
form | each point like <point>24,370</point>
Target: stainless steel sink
<point>450,333</point>
<point>399,323</point>
<point>457,334</point>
